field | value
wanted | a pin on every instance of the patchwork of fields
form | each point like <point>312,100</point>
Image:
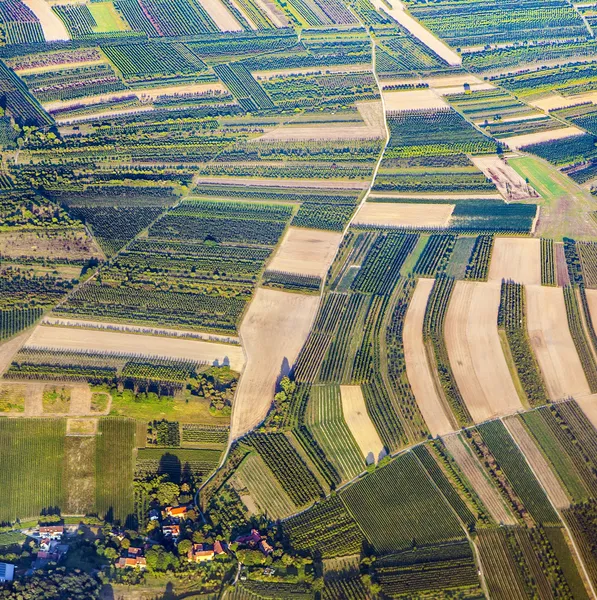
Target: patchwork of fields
<point>322,269</point>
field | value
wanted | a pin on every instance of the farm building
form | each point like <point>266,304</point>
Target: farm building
<point>54,532</point>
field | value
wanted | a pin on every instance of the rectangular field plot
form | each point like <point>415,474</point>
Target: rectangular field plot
<point>518,259</point>
<point>65,338</point>
<point>475,351</point>
<point>437,416</point>
<point>30,466</point>
<point>395,214</point>
<point>394,505</point>
<point>326,421</point>
<point>553,345</point>
<point>306,252</point>
<point>222,17</point>
<point>359,423</point>
<point>509,183</point>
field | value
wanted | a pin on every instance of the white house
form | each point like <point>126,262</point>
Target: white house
<point>7,572</point>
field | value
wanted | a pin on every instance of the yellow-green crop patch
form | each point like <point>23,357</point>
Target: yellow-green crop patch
<point>106,17</point>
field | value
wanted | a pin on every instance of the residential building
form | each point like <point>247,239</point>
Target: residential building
<point>200,552</point>
<point>54,532</point>
<point>7,572</point>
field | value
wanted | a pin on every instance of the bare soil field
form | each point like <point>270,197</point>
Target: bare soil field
<point>412,100</point>
<point>123,327</point>
<point>472,470</point>
<point>420,376</point>
<point>306,252</point>
<point>396,10</point>
<point>222,17</point>
<point>273,332</point>
<point>286,183</point>
<point>556,101</point>
<point>273,13</point>
<point>592,301</point>
<point>510,184</point>
<point>475,351</point>
<point>359,423</point>
<point>65,338</point>
<point>459,89</point>
<point>53,28</point>
<point>588,404</point>
<point>10,348</point>
<point>80,400</point>
<point>79,474</point>
<point>49,243</point>
<point>552,342</point>
<point>539,464</point>
<point>515,258</point>
<point>142,94</point>
<point>518,141</point>
<point>562,275</point>
<point>396,214</point>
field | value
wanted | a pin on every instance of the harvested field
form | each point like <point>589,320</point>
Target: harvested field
<point>551,340</point>
<point>438,418</point>
<point>472,470</point>
<point>424,99</point>
<point>142,94</point>
<point>538,463</point>
<point>475,351</point>
<point>306,252</point>
<point>395,214</point>
<point>359,423</point>
<point>510,184</point>
<point>518,259</point>
<point>222,17</point>
<point>562,275</point>
<point>518,141</point>
<point>373,128</point>
<point>589,407</point>
<point>396,10</point>
<point>273,13</point>
<point>556,101</point>
<point>273,332</point>
<point>287,183</point>
<point>55,243</point>
<point>113,341</point>
<point>53,28</point>
<point>79,474</point>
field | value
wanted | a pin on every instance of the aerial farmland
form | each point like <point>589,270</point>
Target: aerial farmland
<point>298,299</point>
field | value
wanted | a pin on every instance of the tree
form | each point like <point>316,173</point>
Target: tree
<point>167,493</point>
<point>184,546</point>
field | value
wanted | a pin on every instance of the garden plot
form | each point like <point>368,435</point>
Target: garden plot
<point>359,423</point>
<point>396,10</point>
<point>518,141</point>
<point>424,99</point>
<point>53,28</point>
<point>306,252</point>
<point>553,345</point>
<point>77,339</point>
<point>395,214</point>
<point>273,332</point>
<point>473,471</point>
<point>475,351</point>
<point>222,17</point>
<point>420,376</point>
<point>518,259</point>
<point>510,184</point>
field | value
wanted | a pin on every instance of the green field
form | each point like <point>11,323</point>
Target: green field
<point>30,466</point>
<point>114,468</point>
<point>106,17</point>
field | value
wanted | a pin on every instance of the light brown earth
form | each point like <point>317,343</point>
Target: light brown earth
<point>592,302</point>
<point>306,252</point>
<point>424,99</point>
<point>49,243</point>
<point>241,10</point>
<point>80,400</point>
<point>420,376</point>
<point>475,351</point>
<point>222,17</point>
<point>360,425</point>
<point>142,94</point>
<point>148,330</point>
<point>589,406</point>
<point>472,470</point>
<point>273,332</point>
<point>396,214</point>
<point>373,128</point>
<point>335,184</point>
<point>518,141</point>
<point>9,348</point>
<point>556,101</point>
<point>539,464</point>
<point>52,26</point>
<point>34,406</point>
<point>510,184</point>
<point>113,341</point>
<point>273,13</point>
<point>396,10</point>
<point>518,259</point>
<point>551,340</point>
